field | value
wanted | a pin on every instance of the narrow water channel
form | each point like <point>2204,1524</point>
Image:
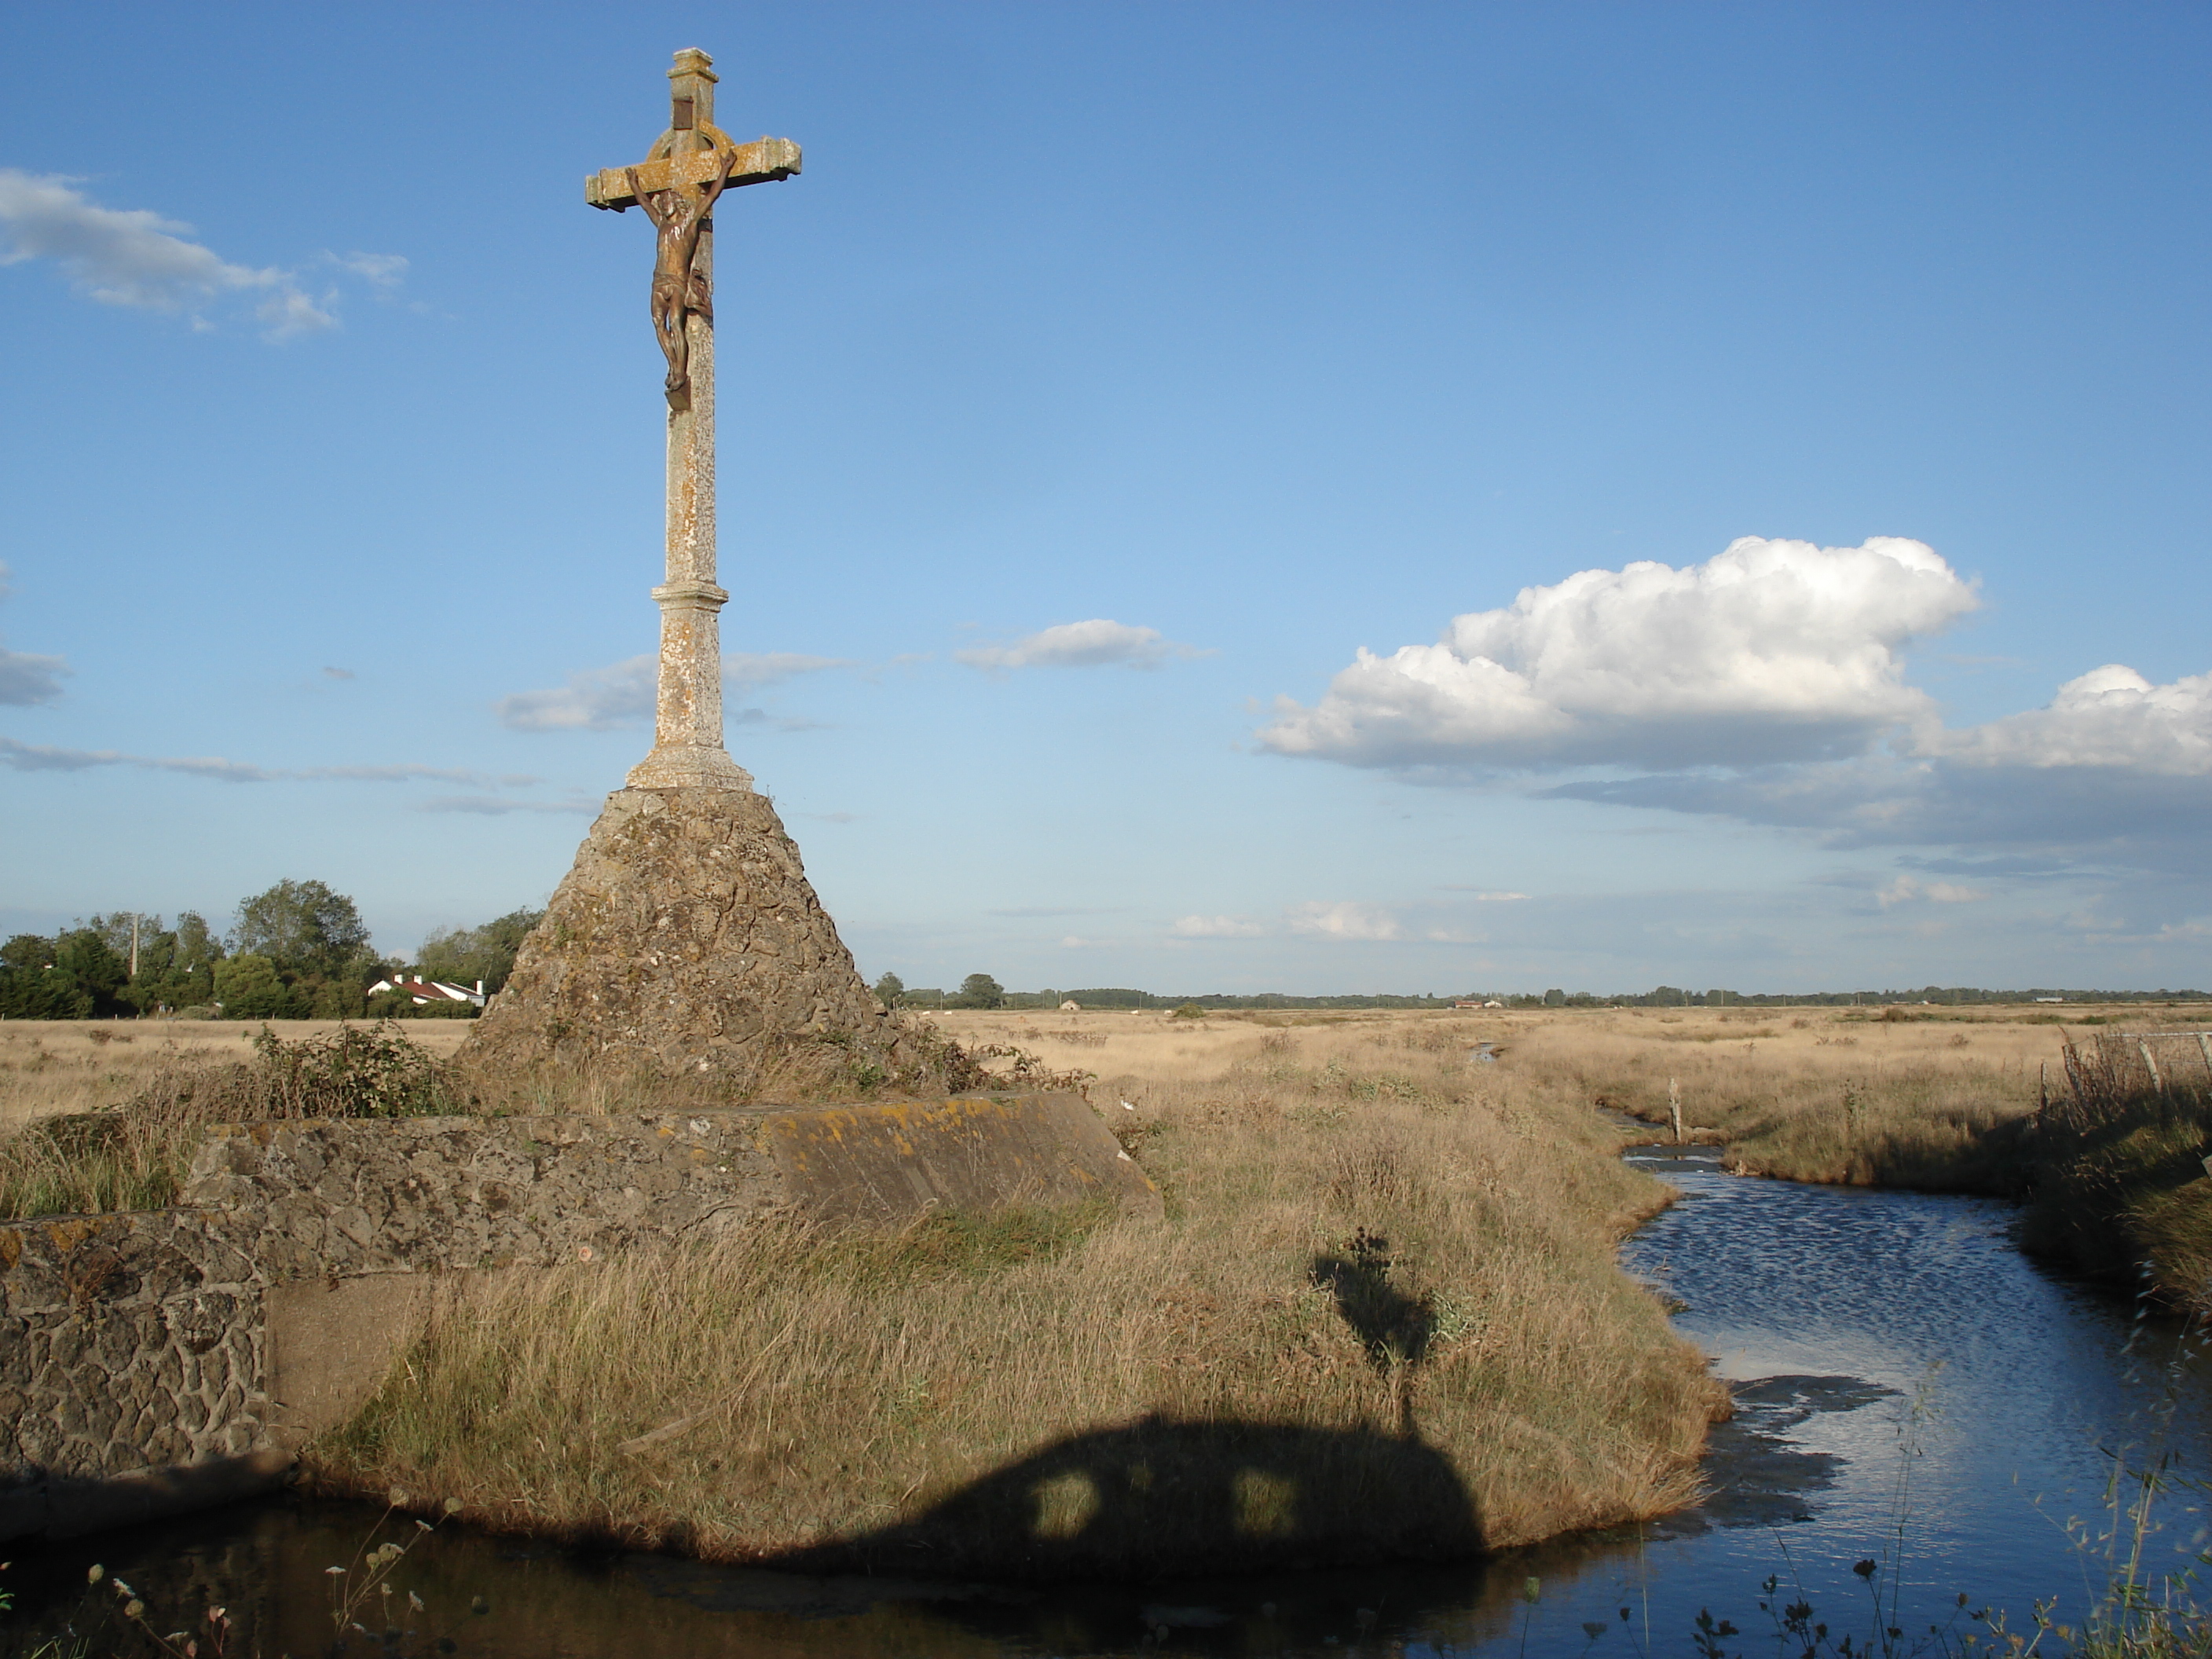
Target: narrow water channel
<point>1914,1392</point>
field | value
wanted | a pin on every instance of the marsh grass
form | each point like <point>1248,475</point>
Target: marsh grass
<point>2105,1152</point>
<point>779,1390</point>
<point>2116,1167</point>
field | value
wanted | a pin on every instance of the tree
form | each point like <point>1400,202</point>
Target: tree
<point>462,955</point>
<point>980,991</point>
<point>248,987</point>
<point>32,988</point>
<point>89,961</point>
<point>889,990</point>
<point>304,929</point>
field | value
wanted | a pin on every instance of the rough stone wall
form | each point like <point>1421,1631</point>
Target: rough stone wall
<point>685,938</point>
<point>442,1194</point>
<point>126,1340</point>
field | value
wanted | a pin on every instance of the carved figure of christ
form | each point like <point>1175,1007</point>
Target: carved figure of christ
<point>678,184</point>
<point>680,288</point>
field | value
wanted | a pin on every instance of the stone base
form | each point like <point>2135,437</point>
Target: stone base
<point>696,768</point>
<point>687,939</point>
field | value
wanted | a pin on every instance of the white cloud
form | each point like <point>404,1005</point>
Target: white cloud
<point>1096,643</point>
<point>382,270</point>
<point>1907,888</point>
<point>751,668</point>
<point>1345,920</point>
<point>1215,927</point>
<point>1771,650</point>
<point>2109,717</point>
<point>288,313</point>
<point>601,699</point>
<point>2115,772</point>
<point>498,805</point>
<point>40,758</point>
<point>132,256</point>
<point>26,678</point>
<point>1483,895</point>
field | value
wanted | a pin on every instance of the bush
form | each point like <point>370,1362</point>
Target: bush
<point>133,1157</point>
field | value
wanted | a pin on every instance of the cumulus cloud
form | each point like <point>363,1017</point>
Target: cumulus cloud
<point>1215,927</point>
<point>2115,771</point>
<point>1097,643</point>
<point>2110,717</point>
<point>132,256</point>
<point>1768,685</point>
<point>1345,920</point>
<point>602,699</point>
<point>1771,650</point>
<point>41,758</point>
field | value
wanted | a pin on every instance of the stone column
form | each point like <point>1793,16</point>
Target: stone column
<point>687,737</point>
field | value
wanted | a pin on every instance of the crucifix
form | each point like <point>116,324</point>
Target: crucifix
<point>678,184</point>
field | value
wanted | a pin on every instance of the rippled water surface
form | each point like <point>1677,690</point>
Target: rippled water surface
<point>1899,1364</point>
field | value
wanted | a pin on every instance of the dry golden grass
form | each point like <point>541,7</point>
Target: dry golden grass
<point>1382,1317</point>
<point>1815,1094</point>
<point>1831,1095</point>
<point>51,1066</point>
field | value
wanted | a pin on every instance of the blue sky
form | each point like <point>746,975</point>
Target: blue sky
<point>1390,390</point>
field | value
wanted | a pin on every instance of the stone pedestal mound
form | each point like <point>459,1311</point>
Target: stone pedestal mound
<point>687,939</point>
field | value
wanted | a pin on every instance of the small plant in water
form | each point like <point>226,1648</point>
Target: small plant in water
<point>362,1587</point>
<point>209,1636</point>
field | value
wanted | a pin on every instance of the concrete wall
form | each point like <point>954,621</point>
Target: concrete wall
<point>158,1361</point>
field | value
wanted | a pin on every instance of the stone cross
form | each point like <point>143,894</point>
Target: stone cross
<point>678,184</point>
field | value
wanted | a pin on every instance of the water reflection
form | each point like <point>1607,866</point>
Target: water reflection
<point>1897,1358</point>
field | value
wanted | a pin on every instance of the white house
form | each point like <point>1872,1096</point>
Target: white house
<point>431,990</point>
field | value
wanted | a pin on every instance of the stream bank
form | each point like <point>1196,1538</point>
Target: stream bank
<point>1915,1392</point>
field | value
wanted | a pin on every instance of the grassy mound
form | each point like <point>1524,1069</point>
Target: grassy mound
<point>1382,1318</point>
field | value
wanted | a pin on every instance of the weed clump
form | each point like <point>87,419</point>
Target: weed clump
<point>133,1156</point>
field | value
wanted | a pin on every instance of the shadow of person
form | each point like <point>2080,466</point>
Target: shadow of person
<point>1159,1498</point>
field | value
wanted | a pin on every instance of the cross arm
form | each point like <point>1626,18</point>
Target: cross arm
<point>756,163</point>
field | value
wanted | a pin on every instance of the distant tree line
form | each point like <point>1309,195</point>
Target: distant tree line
<point>981,991</point>
<point>298,951</point>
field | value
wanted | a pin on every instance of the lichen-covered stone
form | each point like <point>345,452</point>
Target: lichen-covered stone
<point>115,1313</point>
<point>686,937</point>
<point>437,1195</point>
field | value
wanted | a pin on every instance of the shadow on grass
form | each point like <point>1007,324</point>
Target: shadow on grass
<point>1158,1498</point>
<point>1396,1328</point>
